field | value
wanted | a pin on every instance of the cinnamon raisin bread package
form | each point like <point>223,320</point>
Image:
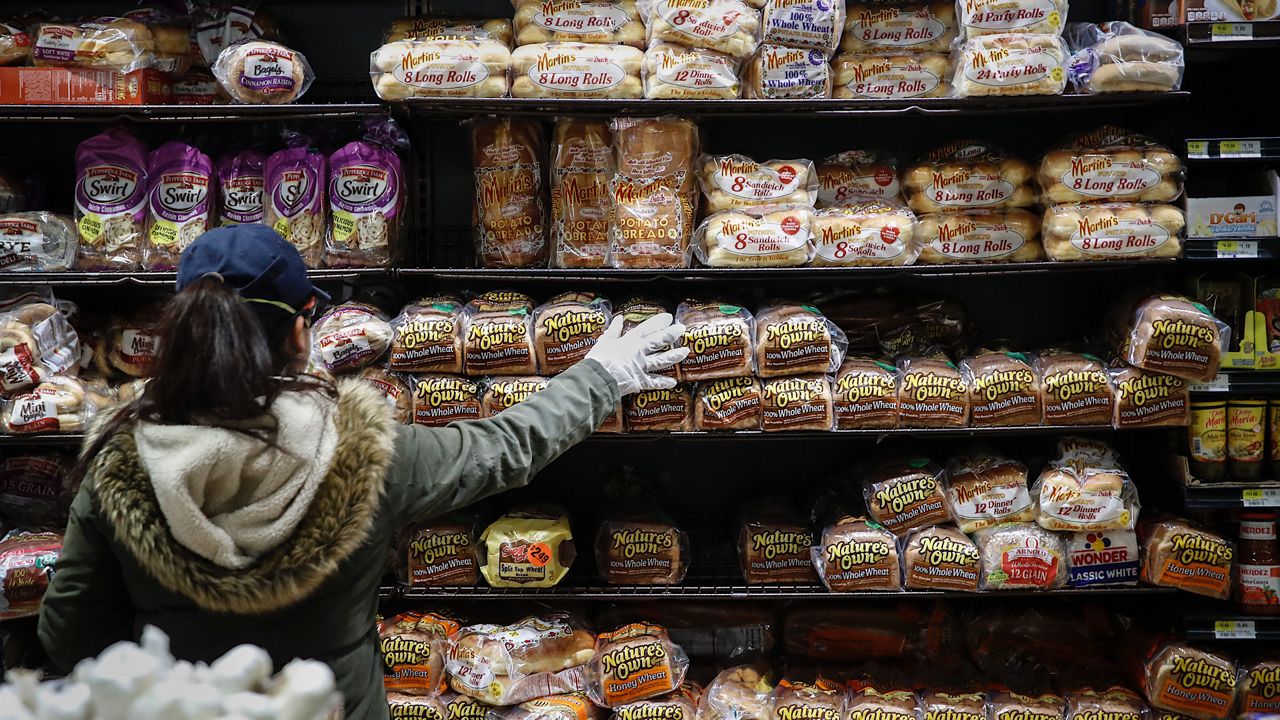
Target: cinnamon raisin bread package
<point>509,210</point>
<point>794,339</point>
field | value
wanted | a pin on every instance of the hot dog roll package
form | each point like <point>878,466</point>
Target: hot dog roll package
<point>500,335</point>
<point>985,489</point>
<point>1010,64</point>
<point>777,72</point>
<point>856,555</point>
<point>794,339</point>
<point>1172,335</point>
<point>395,387</point>
<point>431,28</point>
<point>503,393</point>
<point>932,393</point>
<point>576,70</point>
<point>801,402</point>
<point>566,327</point>
<point>509,211</point>
<point>735,182</point>
<point>1118,57</point>
<point>1004,389</point>
<point>1197,684</point>
<point>38,241</point>
<point>1110,164</point>
<point>441,67</point>
<point>673,72</point>
<point>350,336</point>
<point>441,399</point>
<point>979,236</point>
<point>903,494</point>
<point>720,340</point>
<point>728,404</point>
<point>654,192</point>
<point>728,26</point>
<point>805,24</point>
<point>941,558</point>
<point>1148,399</point>
<point>528,547</point>
<point>774,545</point>
<point>892,76</point>
<point>1113,231</point>
<point>997,17</point>
<point>1177,553</point>
<point>634,662</point>
<point>607,23</point>
<point>1085,497</point>
<point>581,169</point>
<point>1021,556</point>
<point>969,174</point>
<point>865,232</point>
<point>108,43</point>
<point>58,404</point>
<point>429,336</point>
<point>756,236</point>
<point>662,410</point>
<point>508,664</point>
<point>856,174</point>
<point>865,394</point>
<point>916,28</point>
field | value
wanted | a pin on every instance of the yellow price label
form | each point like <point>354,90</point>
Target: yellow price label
<point>1260,497</point>
<point>1237,248</point>
<point>1253,494</point>
<point>1198,148</point>
<point>1231,31</point>
<point>1240,148</point>
<point>1234,630</point>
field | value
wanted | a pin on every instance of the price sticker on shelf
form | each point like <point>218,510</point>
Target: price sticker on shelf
<point>1240,148</point>
<point>1197,148</point>
<point>1226,32</point>
<point>1237,248</point>
<point>1220,383</point>
<point>1234,630</point>
<point>1260,497</point>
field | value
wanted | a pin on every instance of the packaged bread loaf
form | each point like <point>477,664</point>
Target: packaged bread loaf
<point>869,704</point>
<point>634,662</point>
<point>428,336</point>
<point>241,179</point>
<point>1148,399</point>
<point>111,200</point>
<point>1004,389</point>
<point>1172,335</point>
<point>501,393</point>
<point>995,17</point>
<point>773,545</point>
<point>1260,688</point>
<point>728,404</point>
<point>865,232</point>
<point>1021,556</point>
<point>445,552</point>
<point>758,236</point>
<point>1115,702</point>
<point>853,175</point>
<point>430,28</point>
<point>916,27</point>
<point>734,182</point>
<point>1113,231</point>
<point>1110,164</point>
<point>422,706</point>
<point>1176,553</point>
<point>351,336</point>
<point>396,388</point>
<point>966,236</point>
<point>566,327</point>
<point>679,705</point>
<point>528,547</point>
<point>509,664</point>
<point>1077,388</point>
<point>941,558</point>
<point>1080,498</point>
<point>728,26</point>
<point>932,393</point>
<point>637,310</point>
<point>366,198</point>
<point>968,174</point>
<point>1016,706</point>
<point>719,338</point>
<point>58,404</point>
<point>1118,57</point>
<point>296,180</point>
<point>413,647</point>
<point>865,394</point>
<point>776,72</point>
<point>891,77</point>
<point>654,192</point>
<point>673,72</point>
<point>796,403</point>
<point>508,212</point>
<point>15,44</point>
<point>819,700</point>
<point>608,23</point>
<point>576,70</point>
<point>561,706</point>
<point>500,335</point>
<point>664,410</point>
<point>807,24</point>
<point>906,494</point>
<point>260,72</point>
<point>1013,64</point>
<point>453,67</point>
<point>737,693</point>
<point>179,202</point>
<point>1102,557</point>
<point>1192,682</point>
<point>856,555</point>
<point>793,339</point>
<point>108,43</point>
<point>985,489</point>
<point>641,546</point>
<point>581,168</point>
<point>38,242</point>
<point>441,399</point>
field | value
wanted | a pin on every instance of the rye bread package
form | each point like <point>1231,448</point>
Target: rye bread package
<point>241,178</point>
<point>295,199</point>
<point>111,200</point>
<point>366,198</point>
<point>179,202</point>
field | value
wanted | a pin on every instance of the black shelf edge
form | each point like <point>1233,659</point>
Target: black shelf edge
<point>191,113</point>
<point>747,592</point>
<point>1241,381</point>
<point>1232,627</point>
<point>55,440</point>
<point>153,279</point>
<point>1209,249</point>
<point>1230,495</point>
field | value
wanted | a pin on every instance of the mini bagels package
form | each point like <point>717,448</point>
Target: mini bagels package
<point>932,393</point>
<point>429,336</point>
<point>793,339</point>
<point>581,169</point>
<point>856,555</point>
<point>865,232</point>
<point>734,182</point>
<point>865,394</point>
<point>605,23</point>
<point>941,558</point>
<point>922,27</point>
<point>719,338</point>
<point>576,70</point>
<point>758,236</point>
<point>968,174</point>
<point>1110,164</point>
<point>905,494</point>
<point>728,26</point>
<point>777,72</point>
<point>672,72</point>
<point>979,236</point>
<point>985,489</point>
<point>634,662</point>
<point>58,404</point>
<point>1014,64</point>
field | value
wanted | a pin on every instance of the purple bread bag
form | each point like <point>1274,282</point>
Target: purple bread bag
<point>111,200</point>
<point>366,196</point>
<point>241,178</point>
<point>179,203</point>
<point>295,200</point>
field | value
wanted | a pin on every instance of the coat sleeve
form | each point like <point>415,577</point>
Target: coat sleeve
<point>441,469</point>
<point>86,607</point>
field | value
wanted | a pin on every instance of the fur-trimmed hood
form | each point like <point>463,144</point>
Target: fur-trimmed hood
<point>337,522</point>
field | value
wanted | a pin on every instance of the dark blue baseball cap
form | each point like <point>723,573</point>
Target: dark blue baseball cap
<point>254,260</point>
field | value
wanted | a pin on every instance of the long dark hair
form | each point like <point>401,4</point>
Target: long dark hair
<point>222,362</point>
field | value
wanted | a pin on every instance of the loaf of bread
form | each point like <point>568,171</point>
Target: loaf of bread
<point>430,28</point>
<point>915,27</point>
<point>728,404</point>
<point>968,174</point>
<point>508,213</point>
<point>932,393</point>
<point>794,339</point>
<point>820,700</point>
<point>500,337</point>
<point>445,552</point>
<point>581,169</point>
<point>673,72</point>
<point>657,147</point>
<point>734,182</point>
<point>855,174</point>
<point>413,647</point>
<point>347,338</point>
<point>679,705</point>
<point>636,550</point>
<point>529,547</point>
<point>501,393</point>
<point>758,236</point>
<point>1077,389</point>
<point>1177,554</point>
<point>806,24</point>
<point>637,310</point>
<point>259,72</point>
<point>566,327</point>
<point>632,663</point>
<point>777,72</point>
<point>1118,231</point>
<point>855,555</point>
<point>1004,389</point>
<point>865,232</point>
<point>654,192</point>
<point>796,403</point>
<point>905,494</point>
<point>870,704</point>
<point>1172,335</point>
<point>396,388</point>
<point>1118,57</point>
<point>1017,64</point>
<point>942,558</point>
<point>719,338</point>
<point>1258,688</point>
<point>576,70</point>
<point>441,399</point>
<point>728,26</point>
<point>1108,557</point>
<point>1016,706</point>
<point>1197,684</point>
<point>968,236</point>
<point>403,705</point>
<point>666,410</point>
<point>774,546</point>
<point>616,22</point>
<point>1021,556</point>
<point>38,241</point>
<point>891,77</point>
<point>1148,399</point>
<point>441,68</point>
<point>1082,498</point>
<point>428,336</point>
<point>1115,702</point>
<point>865,394</point>
<point>1110,164</point>
<point>985,489</point>
<point>996,17</point>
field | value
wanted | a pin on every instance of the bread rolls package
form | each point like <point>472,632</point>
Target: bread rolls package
<point>1118,57</point>
<point>241,179</point>
<point>737,693</point>
<point>903,494</point>
<point>869,704</point>
<point>179,202</point>
<point>720,340</point>
<point>637,546</point>
<point>616,22</point>
<point>296,180</point>
<point>528,547</point>
<point>500,335</point>
<point>366,199</point>
<point>428,336</point>
<point>969,174</point>
<point>801,402</point>
<point>509,211</point>
<point>1177,553</point>
<point>654,192</point>
<point>806,24</point>
<point>15,44</point>
<point>1013,64</point>
<point>728,404</point>
<point>865,394</point>
<point>735,182</point>
<point>865,232</point>
<point>395,387</point>
<point>509,664</point>
<point>1148,399</point>
<point>1195,683</point>
<point>351,336</point>
<point>663,410</point>
<point>728,26</point>
<point>58,404</point>
<point>941,558</point>
<point>38,242</point>
<point>773,545</point>
<point>1021,556</point>
<point>108,43</point>
<point>1258,688</point>
<point>672,72</point>
<point>431,28</point>
<point>441,399</point>
<point>581,169</point>
<point>932,393</point>
<point>576,70</point>
<point>997,17</point>
<point>777,72</point>
<point>856,174</point>
<point>1074,498</point>
<point>891,77</point>
<point>28,560</point>
<point>504,393</point>
<point>757,236</point>
<point>1004,389</point>
<point>1172,335</point>
<point>793,339</point>
<point>1105,557</point>
<point>925,27</point>
<point>1114,231</point>
<point>566,327</point>
<point>111,201</point>
<point>822,699</point>
<point>1110,164</point>
<point>453,67</point>
<point>1077,388</point>
<point>413,647</point>
<point>259,72</point>
<point>634,662</point>
<point>857,555</point>
<point>979,236</point>
<point>984,489</point>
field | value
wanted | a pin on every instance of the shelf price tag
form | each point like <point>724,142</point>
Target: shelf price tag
<point>1221,383</point>
<point>1225,32</point>
<point>1234,630</point>
<point>1240,148</point>
<point>1197,148</point>
<point>1237,249</point>
<point>1260,497</point>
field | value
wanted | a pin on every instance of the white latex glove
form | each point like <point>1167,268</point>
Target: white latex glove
<point>634,358</point>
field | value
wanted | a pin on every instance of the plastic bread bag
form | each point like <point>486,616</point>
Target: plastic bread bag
<point>1113,231</point>
<point>170,35</point>
<point>985,489</point>
<point>606,23</point>
<point>1004,389</point>
<point>351,336</point>
<point>980,236</point>
<point>413,646</point>
<point>296,180</point>
<point>1115,702</point>
<point>444,552</point>
<point>431,28</point>
<point>111,201</point>
<point>737,693</point>
<point>396,388</point>
<point>134,342</point>
<point>581,170</point>
<point>794,339</point>
<point>672,72</point>
<point>852,175</point>
<point>903,494</point>
<point>736,182</point>
<point>925,27</point>
<point>441,67</point>
<point>1195,683</point>
<point>856,555</point>
<point>241,180</point>
<point>891,77</point>
<point>502,393</point>
<point>428,336</point>
<point>36,343</point>
<point>865,394</point>
<point>528,547</point>
<point>637,310</point>
<point>1118,57</point>
<point>941,558</point>
<point>654,193</point>
<point>776,72</point>
<point>1110,164</point>
<point>1178,553</point>
<point>15,44</point>
<point>805,24</point>
<point>424,706</point>
<point>679,705</point>
<point>865,232</point>
<point>1072,498</point>
<point>367,198</point>
<point>1021,556</point>
<point>663,410</point>
<point>509,212</point>
<point>1148,399</point>
<point>867,703</point>
<point>1083,452</point>
<point>259,72</point>
<point>801,402</point>
<point>822,699</point>
<point>38,486</point>
<point>561,706</point>
<point>37,242</point>
<point>27,561</point>
<point>108,43</point>
<point>756,236</point>
<point>1172,335</point>
<point>576,70</point>
<point>1011,64</point>
<point>969,174</point>
<point>728,404</point>
<point>442,399</point>
<point>1257,683</point>
<point>634,662</point>
<point>637,542</point>
<point>499,335</point>
<point>506,665</point>
<point>932,392</point>
<point>180,201</point>
<point>728,26</point>
<point>998,17</point>
<point>566,327</point>
<point>719,337</point>
<point>774,544</point>
<point>1016,706</point>
<point>58,404</point>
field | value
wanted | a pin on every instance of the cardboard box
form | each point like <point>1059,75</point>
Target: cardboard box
<point>79,86</point>
<point>1237,216</point>
<point>1221,11</point>
<point>1159,14</point>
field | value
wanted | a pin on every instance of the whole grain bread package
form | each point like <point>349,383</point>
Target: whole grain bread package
<point>903,494</point>
<point>606,23</point>
<point>1171,335</point>
<point>566,327</point>
<point>441,67</point>
<point>728,26</point>
<point>1195,683</point>
<point>737,693</point>
<point>1077,388</point>
<point>1148,399</point>
<point>774,545</point>
<point>662,410</point>
<point>1176,553</point>
<point>350,336</point>
<point>733,182</point>
<point>638,544</point>
<point>941,558</point>
<point>926,27</point>
<point>822,699</point>
<point>855,555</point>
<point>969,174</point>
<point>865,394</point>
<point>757,236</point>
<point>1110,164</point>
<point>445,552</point>
<point>979,236</point>
<point>428,336</point>
<point>634,662</point>
<point>576,70</point>
<point>985,489</point>
<point>777,72</point>
<point>865,231</point>
<point>675,72</point>
<point>395,387</point>
<point>509,211</point>
<point>1022,556</point>
<point>413,647</point>
<point>952,706</point>
<point>1004,389</point>
<point>500,336</point>
<point>867,703</point>
<point>1259,685</point>
<point>654,192</point>
<point>719,337</point>
<point>441,399</point>
<point>793,339</point>
<point>528,547</point>
<point>801,402</point>
<point>857,174</point>
<point>581,169</point>
<point>1113,231</point>
<point>728,404</point>
<point>932,393</point>
<point>534,657</point>
<point>502,393</point>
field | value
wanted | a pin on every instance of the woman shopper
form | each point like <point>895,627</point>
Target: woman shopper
<point>239,500</point>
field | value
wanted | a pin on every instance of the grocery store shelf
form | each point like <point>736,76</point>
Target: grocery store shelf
<point>189,113</point>
<point>1232,627</point>
<point>756,435</point>
<point>1257,34</point>
<point>1203,249</point>
<point>60,440</point>
<point>1228,495</point>
<point>1241,381</point>
<point>65,279</point>
<point>693,591</point>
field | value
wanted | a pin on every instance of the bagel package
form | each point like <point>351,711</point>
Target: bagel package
<point>417,27</point>
<point>133,344</point>
<point>728,404</point>
<point>634,662</point>
<point>259,72</point>
<point>996,17</point>
<point>672,72</point>
<point>1004,389</point>
<point>654,192</point>
<point>15,44</point>
<point>1113,231</point>
<point>1110,164</point>
<point>413,647</point>
<point>865,394</point>
<point>932,393</point>
<point>800,402</point>
<point>608,23</point>
<point>350,336</point>
<point>38,242</point>
<point>294,195</point>
<point>891,77</point>
<point>510,664</point>
<point>36,342</point>
<point>428,336</point>
<point>979,236</point>
<point>728,26</point>
<point>1085,497</point>
<point>1149,399</point>
<point>581,204</point>
<point>1118,57</point>
<point>1176,553</point>
<point>969,174</point>
<point>774,545</point>
<point>916,27</point>
<point>441,399</point>
<point>719,337</point>
<point>777,72</point>
<point>396,388</point>
<point>757,236</point>
<point>793,339</point>
<point>528,547</point>
<point>941,558</point>
<point>441,67</point>
<point>1077,388</point>
<point>1012,64</point>
<point>805,24</point>
<point>661,410</point>
<point>1197,684</point>
<point>502,393</point>
<point>1172,335</point>
<point>58,404</point>
<point>576,70</point>
<point>735,182</point>
<point>508,211</point>
<point>566,327</point>
<point>856,174</point>
<point>902,495</point>
<point>984,489</point>
<point>865,232</point>
<point>856,555</point>
<point>500,335</point>
<point>1021,556</point>
<point>111,200</point>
